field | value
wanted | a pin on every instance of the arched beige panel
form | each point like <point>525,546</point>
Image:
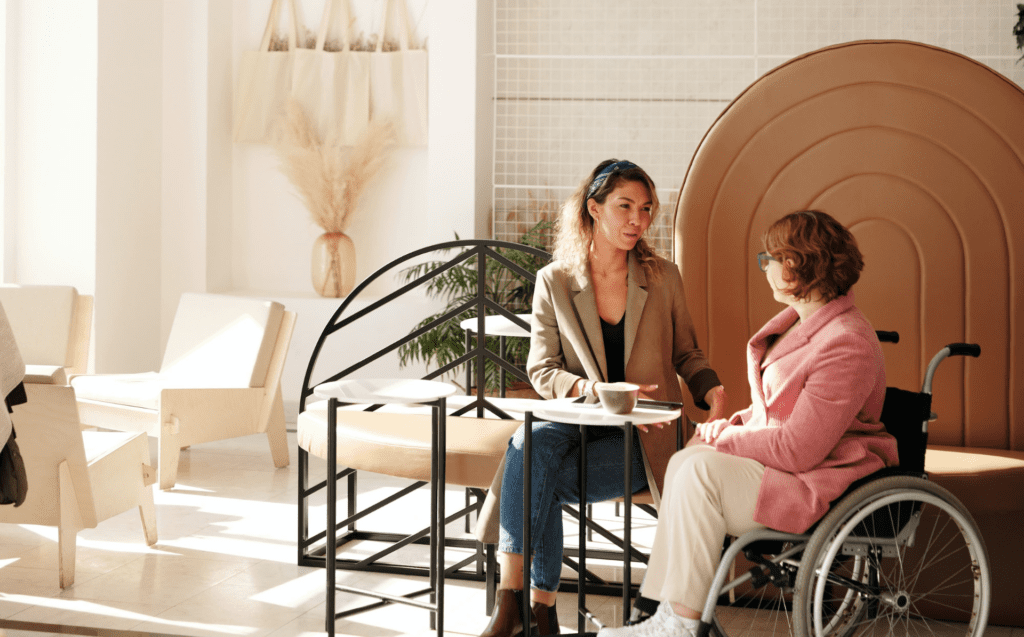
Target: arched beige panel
<point>920,151</point>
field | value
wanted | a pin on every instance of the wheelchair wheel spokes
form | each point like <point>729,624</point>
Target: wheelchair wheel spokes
<point>765,611</point>
<point>931,580</point>
<point>844,601</point>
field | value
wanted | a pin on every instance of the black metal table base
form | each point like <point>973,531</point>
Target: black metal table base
<point>437,528</point>
<point>583,613</point>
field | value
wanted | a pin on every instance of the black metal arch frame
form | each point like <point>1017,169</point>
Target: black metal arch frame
<point>481,249</point>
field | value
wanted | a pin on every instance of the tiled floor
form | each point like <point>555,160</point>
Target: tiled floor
<point>225,562</point>
<point>224,565</point>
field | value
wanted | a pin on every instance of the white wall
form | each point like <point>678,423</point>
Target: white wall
<point>423,196</point>
<point>83,172</point>
<point>273,234</point>
<point>50,146</point>
<point>128,104</point>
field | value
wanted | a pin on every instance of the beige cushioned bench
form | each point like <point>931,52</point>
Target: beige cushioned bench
<point>395,440</point>
<point>920,152</point>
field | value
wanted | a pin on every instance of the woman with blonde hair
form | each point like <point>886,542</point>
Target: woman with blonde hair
<point>607,309</point>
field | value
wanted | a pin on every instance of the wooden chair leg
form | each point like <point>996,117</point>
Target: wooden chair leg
<point>170,453</point>
<point>276,433</point>
<point>69,525</point>
<point>147,508</point>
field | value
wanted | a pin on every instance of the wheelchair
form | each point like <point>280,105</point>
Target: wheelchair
<point>895,555</point>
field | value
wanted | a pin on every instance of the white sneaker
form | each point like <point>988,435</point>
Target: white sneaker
<point>664,623</point>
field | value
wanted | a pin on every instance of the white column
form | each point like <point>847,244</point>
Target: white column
<point>128,180</point>
<point>452,163</point>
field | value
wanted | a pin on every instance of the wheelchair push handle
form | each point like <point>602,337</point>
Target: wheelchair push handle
<point>888,337</point>
<point>964,349</point>
<point>953,349</point>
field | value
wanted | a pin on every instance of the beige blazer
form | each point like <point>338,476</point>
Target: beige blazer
<point>566,344</point>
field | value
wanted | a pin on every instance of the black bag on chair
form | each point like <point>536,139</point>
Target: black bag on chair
<point>13,479</point>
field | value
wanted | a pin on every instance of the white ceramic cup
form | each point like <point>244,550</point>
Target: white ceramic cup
<point>618,398</point>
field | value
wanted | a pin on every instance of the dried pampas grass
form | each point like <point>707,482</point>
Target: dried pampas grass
<point>328,177</point>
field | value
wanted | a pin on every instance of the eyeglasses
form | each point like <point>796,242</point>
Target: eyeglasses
<point>762,260</point>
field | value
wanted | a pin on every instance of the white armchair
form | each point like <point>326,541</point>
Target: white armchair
<point>220,378</point>
<point>76,479</point>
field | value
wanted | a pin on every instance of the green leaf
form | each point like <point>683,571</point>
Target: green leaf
<point>456,286</point>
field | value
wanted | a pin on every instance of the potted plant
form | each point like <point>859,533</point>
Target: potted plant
<point>446,342</point>
<point>1018,30</point>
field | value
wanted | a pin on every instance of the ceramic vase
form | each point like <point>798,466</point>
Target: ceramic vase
<point>334,265</point>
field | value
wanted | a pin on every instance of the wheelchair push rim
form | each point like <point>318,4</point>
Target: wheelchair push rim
<point>933,576</point>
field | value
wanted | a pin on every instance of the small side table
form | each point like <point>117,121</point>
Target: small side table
<point>568,410</point>
<point>380,392</point>
<point>494,325</point>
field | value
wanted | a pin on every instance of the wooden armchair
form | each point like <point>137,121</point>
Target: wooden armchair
<point>76,479</point>
<point>220,378</point>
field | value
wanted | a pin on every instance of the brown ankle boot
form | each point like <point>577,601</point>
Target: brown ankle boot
<point>547,618</point>
<point>507,615</point>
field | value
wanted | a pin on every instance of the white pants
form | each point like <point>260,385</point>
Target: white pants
<point>707,496</point>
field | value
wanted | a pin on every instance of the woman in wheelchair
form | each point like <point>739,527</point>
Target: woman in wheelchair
<point>817,384</point>
<point>607,309</point>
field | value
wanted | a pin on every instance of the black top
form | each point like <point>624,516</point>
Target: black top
<point>615,349</point>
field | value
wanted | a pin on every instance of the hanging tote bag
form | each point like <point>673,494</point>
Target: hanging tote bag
<point>333,87</point>
<point>398,81</point>
<point>264,80</point>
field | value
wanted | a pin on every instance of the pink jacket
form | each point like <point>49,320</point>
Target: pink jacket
<point>813,421</point>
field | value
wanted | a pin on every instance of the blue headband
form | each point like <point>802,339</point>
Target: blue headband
<point>604,174</point>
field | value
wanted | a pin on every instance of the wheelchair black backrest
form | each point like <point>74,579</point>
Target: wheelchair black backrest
<point>904,414</point>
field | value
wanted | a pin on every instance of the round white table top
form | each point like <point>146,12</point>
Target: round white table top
<point>385,391</point>
<point>565,410</point>
<point>498,325</point>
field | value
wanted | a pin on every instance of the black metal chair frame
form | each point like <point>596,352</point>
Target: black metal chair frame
<point>312,548</point>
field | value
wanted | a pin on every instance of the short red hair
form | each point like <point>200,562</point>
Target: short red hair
<point>818,254</point>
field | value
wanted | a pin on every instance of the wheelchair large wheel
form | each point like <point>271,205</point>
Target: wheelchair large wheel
<point>898,556</point>
<point>764,611</point>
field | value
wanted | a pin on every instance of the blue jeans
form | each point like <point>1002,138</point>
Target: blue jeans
<point>554,482</point>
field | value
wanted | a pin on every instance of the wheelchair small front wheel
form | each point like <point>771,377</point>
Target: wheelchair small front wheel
<point>898,556</point>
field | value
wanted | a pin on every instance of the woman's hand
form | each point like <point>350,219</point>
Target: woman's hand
<point>716,398</point>
<point>646,393</point>
<point>709,431</point>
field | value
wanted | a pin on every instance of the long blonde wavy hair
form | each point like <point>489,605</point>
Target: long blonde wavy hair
<point>575,228</point>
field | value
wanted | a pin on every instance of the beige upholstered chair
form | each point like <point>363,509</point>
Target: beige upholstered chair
<point>76,479</point>
<point>220,378</point>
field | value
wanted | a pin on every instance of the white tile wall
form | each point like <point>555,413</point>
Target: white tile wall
<point>579,81</point>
